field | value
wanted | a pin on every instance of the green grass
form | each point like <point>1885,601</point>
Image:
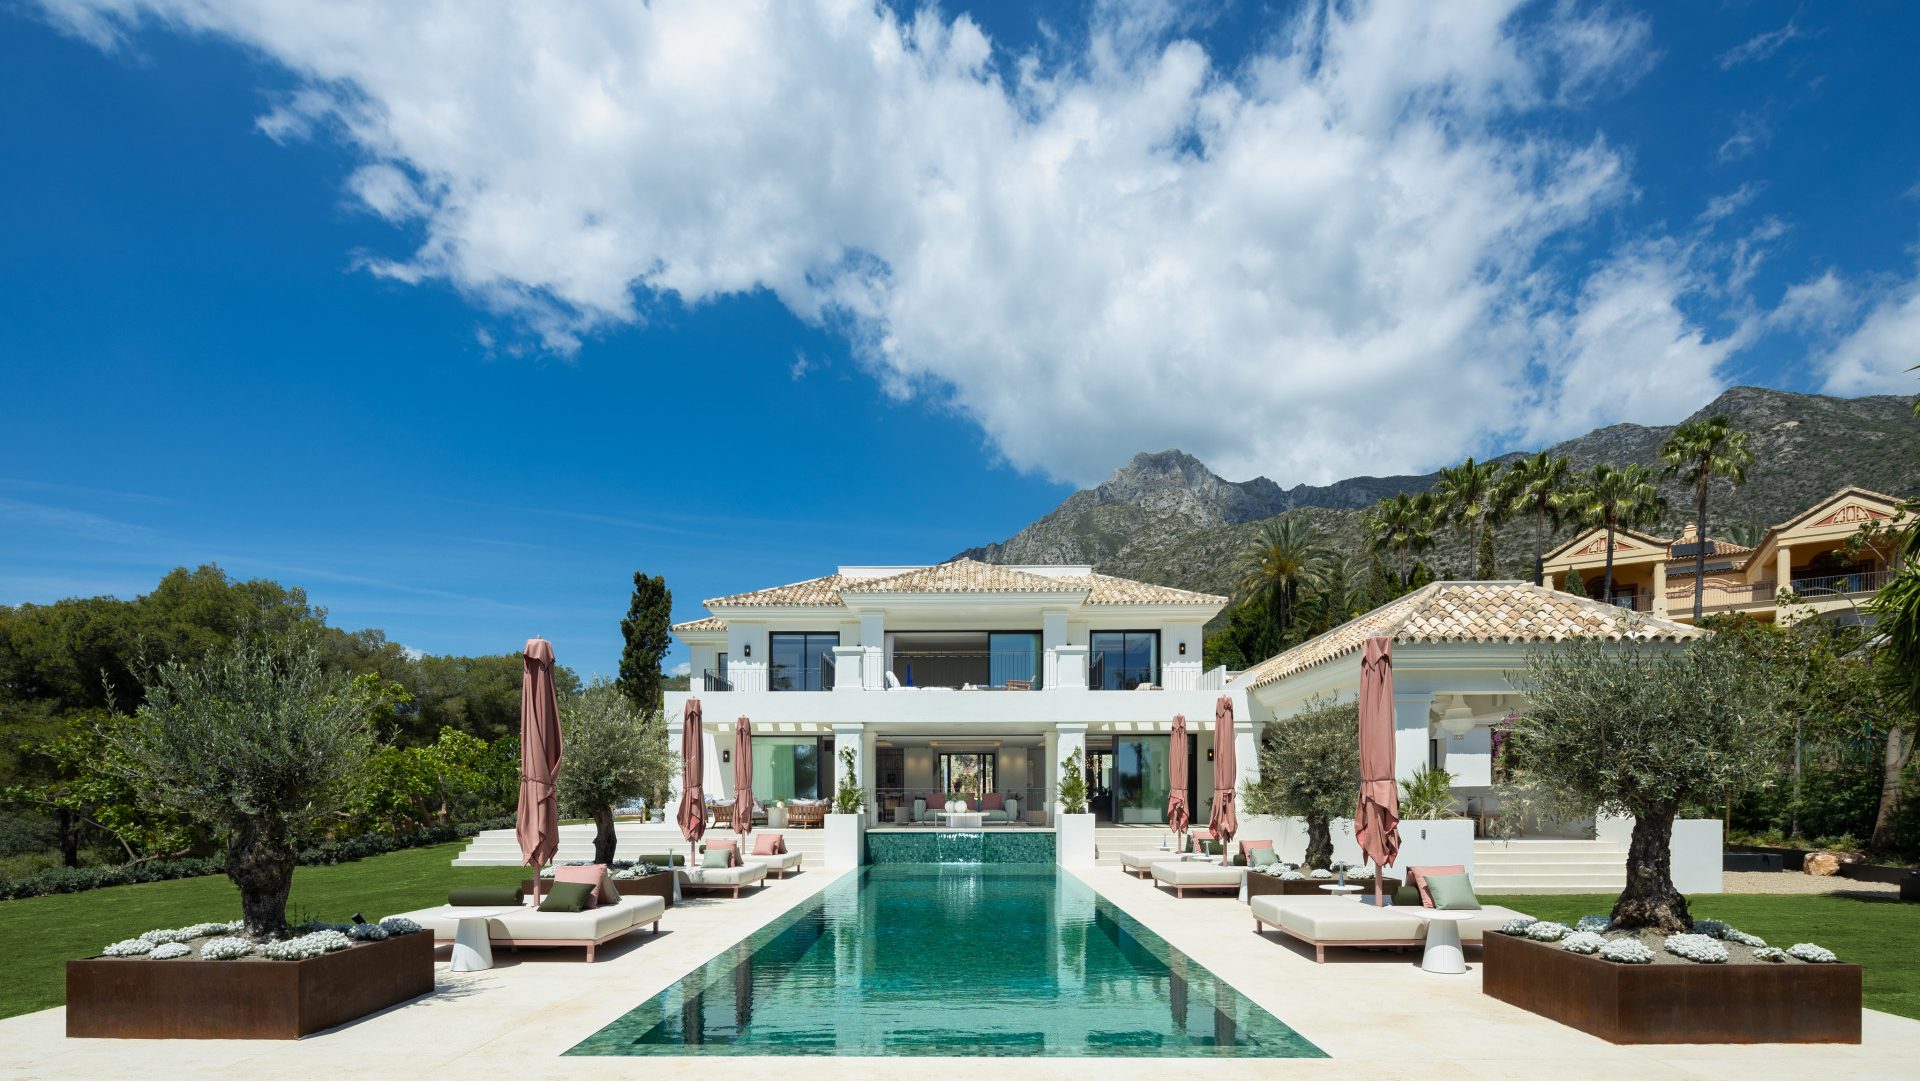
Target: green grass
<point>1884,936</point>
<point>43,933</point>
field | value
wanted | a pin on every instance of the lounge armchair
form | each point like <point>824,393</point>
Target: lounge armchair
<point>1332,921</point>
<point>723,878</point>
<point>1197,875</point>
<point>802,814</point>
<point>532,927</point>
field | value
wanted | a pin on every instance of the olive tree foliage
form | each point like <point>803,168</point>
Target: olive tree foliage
<point>1642,730</point>
<point>1310,768</point>
<point>258,743</point>
<point>611,753</point>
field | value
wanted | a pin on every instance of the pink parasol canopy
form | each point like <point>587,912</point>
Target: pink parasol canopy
<point>1179,815</point>
<point>537,818</point>
<point>743,778</point>
<point>1376,819</point>
<point>693,798</point>
<point>1226,773</point>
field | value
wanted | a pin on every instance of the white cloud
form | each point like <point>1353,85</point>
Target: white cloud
<point>684,668</point>
<point>1751,134</point>
<point>1875,356</point>
<point>1341,254</point>
<point>1759,47</point>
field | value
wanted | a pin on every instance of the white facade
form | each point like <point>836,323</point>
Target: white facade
<point>970,631</point>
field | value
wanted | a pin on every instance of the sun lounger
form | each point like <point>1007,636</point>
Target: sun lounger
<point>1141,863</point>
<point>1333,921</point>
<point>532,927</point>
<point>778,864</point>
<point>1197,875</point>
<point>723,878</point>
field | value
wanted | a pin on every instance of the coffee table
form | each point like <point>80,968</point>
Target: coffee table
<point>1443,953</point>
<point>472,948</point>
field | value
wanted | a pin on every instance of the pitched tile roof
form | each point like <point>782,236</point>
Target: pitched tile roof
<point>1106,589</point>
<point>1473,612</point>
<point>705,623</point>
<point>813,592</point>
<point>965,576</point>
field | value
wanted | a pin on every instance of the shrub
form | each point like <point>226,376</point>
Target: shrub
<point>1310,767</point>
<point>399,925</point>
<point>1073,785</point>
<point>367,932</point>
<point>1627,951</point>
<point>1518,925</point>
<point>1547,931</point>
<point>225,949</point>
<point>1812,954</point>
<point>169,951</point>
<point>128,947</point>
<point>1594,924</point>
<point>1701,948</point>
<point>1428,794</point>
<point>1582,942</point>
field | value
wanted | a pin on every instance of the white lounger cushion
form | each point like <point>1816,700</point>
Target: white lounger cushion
<point>1197,873</point>
<point>592,923</point>
<point>723,876</point>
<point>785,861</point>
<point>1140,861</point>
<point>1334,919</point>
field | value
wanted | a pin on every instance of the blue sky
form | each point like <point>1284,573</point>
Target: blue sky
<point>457,332</point>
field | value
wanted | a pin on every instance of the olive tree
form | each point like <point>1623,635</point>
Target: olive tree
<point>1310,768</point>
<point>1642,730</point>
<point>258,743</point>
<point>611,754</point>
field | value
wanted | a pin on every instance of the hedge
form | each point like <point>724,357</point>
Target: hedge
<point>78,879</point>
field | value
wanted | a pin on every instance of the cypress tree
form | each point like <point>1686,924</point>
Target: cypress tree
<point>645,631</point>
<point>1575,587</point>
<point>1488,570</point>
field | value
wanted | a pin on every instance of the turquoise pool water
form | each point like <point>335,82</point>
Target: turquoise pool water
<point>923,959</point>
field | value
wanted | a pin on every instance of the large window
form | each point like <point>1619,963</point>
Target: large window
<point>789,767</point>
<point>965,658</point>
<point>802,661</point>
<point>1123,660</point>
<point>972,773</point>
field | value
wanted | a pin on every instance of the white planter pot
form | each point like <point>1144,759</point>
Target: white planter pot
<point>1073,840</point>
<point>846,836</point>
<point>776,817</point>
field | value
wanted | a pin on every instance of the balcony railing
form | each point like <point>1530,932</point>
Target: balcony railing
<point>978,669</point>
<point>813,674</point>
<point>1105,676</point>
<point>1839,585</point>
<point>715,681</point>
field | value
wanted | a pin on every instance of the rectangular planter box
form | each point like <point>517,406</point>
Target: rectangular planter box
<point>656,885</point>
<point>141,999</point>
<point>1259,885</point>
<point>1788,1003</point>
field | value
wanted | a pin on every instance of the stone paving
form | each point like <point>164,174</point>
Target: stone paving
<point>1376,1015</point>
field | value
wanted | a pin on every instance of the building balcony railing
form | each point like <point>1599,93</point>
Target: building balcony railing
<point>715,681</point>
<point>971,669</point>
<point>1840,585</point>
<point>1105,675</point>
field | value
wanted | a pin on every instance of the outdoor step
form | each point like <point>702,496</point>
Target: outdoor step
<point>1549,859</point>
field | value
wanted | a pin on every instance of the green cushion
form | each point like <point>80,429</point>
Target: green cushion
<point>1452,892</point>
<point>566,897</point>
<point>663,859</point>
<point>1262,857</point>
<point>1408,896</point>
<point>716,858</point>
<point>484,896</point>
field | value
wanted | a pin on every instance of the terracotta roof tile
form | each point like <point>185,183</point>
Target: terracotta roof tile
<point>965,576</point>
<point>814,592</point>
<point>1473,612</point>
<point>705,623</point>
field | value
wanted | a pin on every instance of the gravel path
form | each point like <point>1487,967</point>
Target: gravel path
<point>1795,882</point>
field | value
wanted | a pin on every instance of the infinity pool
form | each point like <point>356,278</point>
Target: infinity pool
<point>939,959</point>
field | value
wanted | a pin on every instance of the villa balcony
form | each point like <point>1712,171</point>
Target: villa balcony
<point>1853,584</point>
<point>995,670</point>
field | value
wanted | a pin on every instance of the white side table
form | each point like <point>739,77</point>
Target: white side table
<point>472,948</point>
<point>1345,893</point>
<point>1443,953</point>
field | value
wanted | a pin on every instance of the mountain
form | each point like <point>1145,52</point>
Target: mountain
<point>1165,517</point>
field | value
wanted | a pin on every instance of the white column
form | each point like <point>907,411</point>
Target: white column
<point>868,773</point>
<point>1410,730</point>
<point>1659,607</point>
<point>848,668</point>
<point>873,640</point>
<point>1069,669</point>
<point>1050,773</point>
<point>1053,635</point>
<point>1246,750</point>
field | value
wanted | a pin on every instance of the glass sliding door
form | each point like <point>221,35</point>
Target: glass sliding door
<point>1140,778</point>
<point>802,661</point>
<point>972,774</point>
<point>1013,655</point>
<point>1123,660</point>
<point>787,768</point>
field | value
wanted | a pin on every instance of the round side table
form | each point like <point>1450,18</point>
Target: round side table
<point>1443,953</point>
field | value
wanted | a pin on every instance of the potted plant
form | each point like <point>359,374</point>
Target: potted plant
<point>1641,731</point>
<point>777,815</point>
<point>1073,826</point>
<point>847,821</point>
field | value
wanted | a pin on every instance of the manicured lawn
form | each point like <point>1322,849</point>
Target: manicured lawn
<point>1882,935</point>
<point>43,933</point>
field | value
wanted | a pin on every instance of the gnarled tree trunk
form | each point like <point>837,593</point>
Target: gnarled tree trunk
<point>260,861</point>
<point>1319,843</point>
<point>1893,777</point>
<point>1650,899</point>
<point>604,838</point>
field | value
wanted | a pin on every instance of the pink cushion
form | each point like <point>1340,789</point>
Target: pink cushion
<point>766,844</point>
<point>936,799</point>
<point>732,851</point>
<point>1247,847</point>
<point>993,801</point>
<point>1419,876</point>
<point>590,875</point>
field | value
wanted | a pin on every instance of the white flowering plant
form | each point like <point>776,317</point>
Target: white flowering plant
<point>1703,949</point>
<point>1812,954</point>
<point>159,936</point>
<point>1518,925</point>
<point>1547,931</point>
<point>1711,928</point>
<point>1627,951</point>
<point>367,932</point>
<point>1594,924</point>
<point>225,949</point>
<point>1744,939</point>
<point>1770,953</point>
<point>1582,942</point>
<point>128,947</point>
<point>1321,872</point>
<point>167,951</point>
<point>399,925</point>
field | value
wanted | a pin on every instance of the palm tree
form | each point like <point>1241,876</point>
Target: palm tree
<point>1464,494</point>
<point>1615,499</point>
<point>1401,525</point>
<point>1702,450</point>
<point>1897,608</point>
<point>1286,556</point>
<point>1537,486</point>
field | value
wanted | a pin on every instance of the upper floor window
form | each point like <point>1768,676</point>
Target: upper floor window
<point>1123,660</point>
<point>802,660</point>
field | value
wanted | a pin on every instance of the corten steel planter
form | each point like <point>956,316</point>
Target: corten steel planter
<point>655,885</point>
<point>1690,1003</point>
<point>1259,885</point>
<point>187,998</point>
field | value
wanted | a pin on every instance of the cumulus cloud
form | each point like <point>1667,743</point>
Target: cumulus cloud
<point>682,669</point>
<point>1340,253</point>
<point>1876,355</point>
